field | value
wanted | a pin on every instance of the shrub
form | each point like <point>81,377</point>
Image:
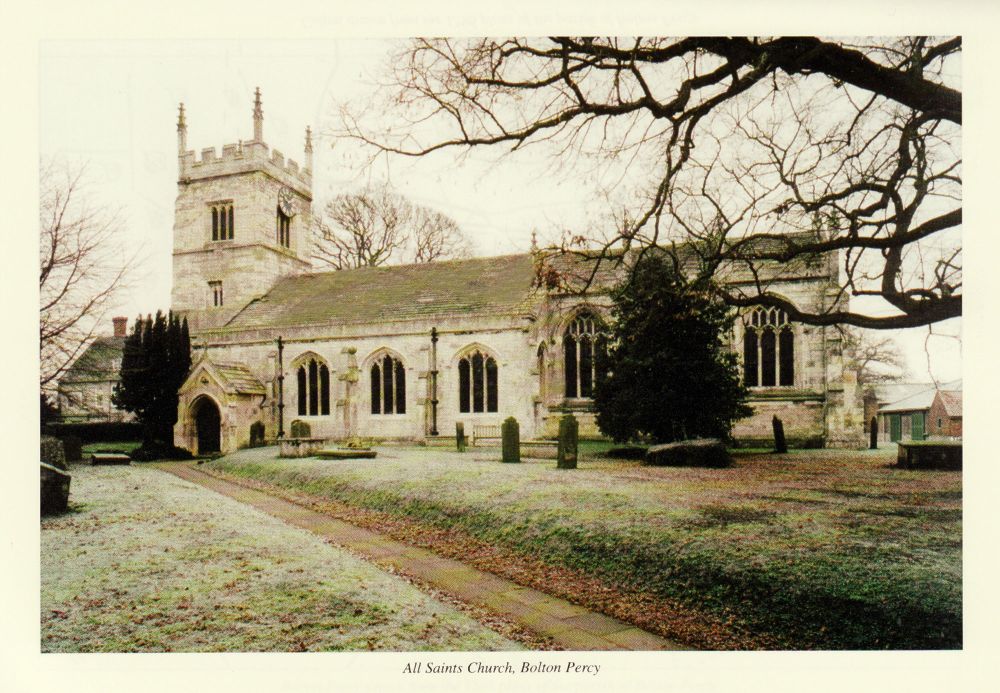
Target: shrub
<point>300,429</point>
<point>160,451</point>
<point>705,452</point>
<point>96,432</point>
<point>51,451</point>
<point>628,452</point>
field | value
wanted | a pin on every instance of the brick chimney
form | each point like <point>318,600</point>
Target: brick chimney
<point>121,325</point>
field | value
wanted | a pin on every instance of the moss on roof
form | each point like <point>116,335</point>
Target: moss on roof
<point>239,378</point>
<point>99,362</point>
<point>479,286</point>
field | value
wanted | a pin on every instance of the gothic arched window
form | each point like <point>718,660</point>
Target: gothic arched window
<point>477,383</point>
<point>584,351</point>
<point>768,349</point>
<point>313,380</point>
<point>388,386</point>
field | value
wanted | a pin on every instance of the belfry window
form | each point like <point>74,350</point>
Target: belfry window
<point>388,386</point>
<point>283,229</point>
<point>223,224</point>
<point>313,380</point>
<point>477,383</point>
<point>584,351</point>
<point>216,289</point>
<point>768,349</point>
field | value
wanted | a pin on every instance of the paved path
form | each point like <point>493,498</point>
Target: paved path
<point>571,626</point>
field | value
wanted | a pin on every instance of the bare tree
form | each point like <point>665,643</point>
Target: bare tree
<point>378,226</point>
<point>81,268</point>
<point>751,155</point>
<point>874,357</point>
<point>436,236</point>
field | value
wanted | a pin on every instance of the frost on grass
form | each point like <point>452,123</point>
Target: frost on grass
<point>822,548</point>
<point>149,562</point>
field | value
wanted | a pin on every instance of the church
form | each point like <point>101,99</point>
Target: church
<point>407,352</point>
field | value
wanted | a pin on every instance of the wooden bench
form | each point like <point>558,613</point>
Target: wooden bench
<point>486,432</point>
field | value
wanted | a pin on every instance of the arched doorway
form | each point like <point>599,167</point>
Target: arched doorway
<point>208,423</point>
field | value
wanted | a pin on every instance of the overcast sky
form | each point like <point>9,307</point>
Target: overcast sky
<point>113,106</point>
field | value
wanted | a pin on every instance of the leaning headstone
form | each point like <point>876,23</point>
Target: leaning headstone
<point>510,433</point>
<point>300,429</point>
<point>569,430</point>
<point>54,489</point>
<point>779,435</point>
<point>873,435</point>
<point>460,441</point>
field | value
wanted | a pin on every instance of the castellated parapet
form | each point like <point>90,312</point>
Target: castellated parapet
<point>245,157</point>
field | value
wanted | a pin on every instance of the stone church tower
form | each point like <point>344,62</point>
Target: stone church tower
<point>241,222</point>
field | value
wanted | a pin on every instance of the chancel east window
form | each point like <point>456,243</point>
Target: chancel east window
<point>768,348</point>
<point>584,353</point>
<point>313,380</point>
<point>216,289</point>
<point>223,225</point>
<point>388,386</point>
<point>477,383</point>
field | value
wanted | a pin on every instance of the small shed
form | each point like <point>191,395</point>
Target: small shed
<point>910,418</point>
<point>945,416</point>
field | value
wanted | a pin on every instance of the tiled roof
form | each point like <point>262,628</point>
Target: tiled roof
<point>487,285</point>
<point>952,402</point>
<point>100,361</point>
<point>887,393</point>
<point>238,377</point>
<point>921,400</point>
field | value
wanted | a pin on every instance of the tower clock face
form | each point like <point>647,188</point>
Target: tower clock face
<point>286,202</point>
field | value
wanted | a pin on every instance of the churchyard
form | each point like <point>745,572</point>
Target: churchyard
<point>145,562</point>
<point>812,549</point>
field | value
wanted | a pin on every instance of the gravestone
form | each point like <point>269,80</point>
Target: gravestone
<point>779,435</point>
<point>510,433</point>
<point>569,433</point>
<point>460,441</point>
<point>873,435</point>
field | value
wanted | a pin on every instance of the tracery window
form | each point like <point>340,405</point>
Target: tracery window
<point>477,383</point>
<point>584,352</point>
<point>313,380</point>
<point>223,225</point>
<point>768,348</point>
<point>388,386</point>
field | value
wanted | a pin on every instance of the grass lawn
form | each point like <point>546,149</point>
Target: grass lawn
<point>126,446</point>
<point>816,549</point>
<point>147,562</point>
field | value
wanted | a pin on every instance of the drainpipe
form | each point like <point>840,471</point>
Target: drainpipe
<point>281,390</point>
<point>434,382</point>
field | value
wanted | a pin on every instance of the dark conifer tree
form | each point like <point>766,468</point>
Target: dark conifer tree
<point>671,374</point>
<point>155,362</point>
